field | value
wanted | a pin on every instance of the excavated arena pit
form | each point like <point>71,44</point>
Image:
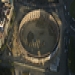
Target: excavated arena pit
<point>39,36</point>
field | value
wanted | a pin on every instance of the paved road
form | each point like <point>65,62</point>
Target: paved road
<point>63,65</point>
<point>68,17</point>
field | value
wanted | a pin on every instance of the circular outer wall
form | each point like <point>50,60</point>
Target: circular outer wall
<point>38,15</point>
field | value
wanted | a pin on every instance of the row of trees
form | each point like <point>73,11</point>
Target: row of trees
<point>71,54</point>
<point>72,9</point>
<point>5,71</point>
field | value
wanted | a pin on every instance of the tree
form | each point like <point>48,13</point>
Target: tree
<point>71,54</point>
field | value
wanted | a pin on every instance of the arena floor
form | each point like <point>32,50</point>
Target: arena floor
<point>38,37</point>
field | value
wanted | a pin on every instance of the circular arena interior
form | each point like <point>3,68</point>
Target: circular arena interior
<point>39,33</point>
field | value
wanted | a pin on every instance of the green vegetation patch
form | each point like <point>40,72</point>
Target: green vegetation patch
<point>5,71</point>
<point>71,54</point>
<point>3,47</point>
<point>72,9</point>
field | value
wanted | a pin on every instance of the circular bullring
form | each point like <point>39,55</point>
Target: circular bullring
<point>39,33</point>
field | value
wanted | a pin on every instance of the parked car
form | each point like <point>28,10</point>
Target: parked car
<point>66,42</point>
<point>65,7</point>
<point>65,50</point>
